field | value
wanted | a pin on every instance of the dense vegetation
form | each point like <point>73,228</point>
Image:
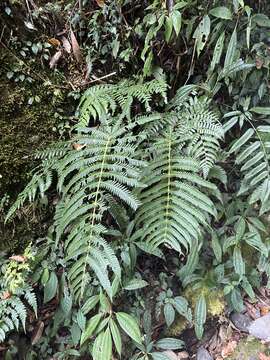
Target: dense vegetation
<point>155,191</point>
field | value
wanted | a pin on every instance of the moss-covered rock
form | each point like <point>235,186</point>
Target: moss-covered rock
<point>249,349</point>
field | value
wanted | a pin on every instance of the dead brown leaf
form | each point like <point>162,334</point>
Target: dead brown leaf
<point>78,146</point>
<point>100,3</point>
<point>66,44</point>
<point>182,355</point>
<point>6,295</point>
<point>54,60</point>
<point>75,47</point>
<point>18,258</point>
<point>264,310</point>
<point>228,349</point>
<point>55,42</point>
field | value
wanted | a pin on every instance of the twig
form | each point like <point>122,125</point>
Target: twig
<point>100,79</point>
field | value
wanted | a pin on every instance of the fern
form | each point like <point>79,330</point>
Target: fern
<point>252,153</point>
<point>204,130</point>
<point>104,166</point>
<point>100,100</point>
<point>13,311</point>
<point>174,209</point>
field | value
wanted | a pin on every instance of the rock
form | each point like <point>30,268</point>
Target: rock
<point>241,321</point>
<point>203,354</point>
<point>260,328</point>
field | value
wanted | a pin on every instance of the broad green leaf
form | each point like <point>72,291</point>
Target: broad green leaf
<point>238,262</point>
<point>66,303</point>
<point>231,51</point>
<point>261,20</point>
<point>130,326</point>
<point>170,344</point>
<point>90,304</point>
<point>221,12</point>
<point>102,349</point>
<point>176,21</point>
<point>201,33</point>
<point>168,28</point>
<point>81,320</point>
<point>216,247</point>
<point>135,284</point>
<point>105,305</point>
<point>90,327</point>
<point>200,316</point>
<point>237,301</point>
<point>217,51</point>
<point>181,306</point>
<point>261,110</point>
<point>50,288</point>
<point>116,336</point>
<point>159,356</point>
<point>169,314</point>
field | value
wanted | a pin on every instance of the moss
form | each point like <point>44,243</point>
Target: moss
<point>214,299</point>
<point>24,128</point>
<point>249,348</point>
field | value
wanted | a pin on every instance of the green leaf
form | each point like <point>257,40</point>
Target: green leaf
<point>50,288</point>
<point>231,51</point>
<point>181,306</point>
<point>216,247</point>
<point>90,328</point>
<point>130,326</point>
<point>176,21</point>
<point>261,110</point>
<point>261,20</point>
<point>201,33</point>
<point>169,314</point>
<point>135,284</point>
<point>116,336</point>
<point>159,356</point>
<point>66,303</point>
<point>170,344</point>
<point>238,262</point>
<point>217,51</point>
<point>90,304</point>
<point>102,349</point>
<point>221,12</point>
<point>168,28</point>
<point>200,316</point>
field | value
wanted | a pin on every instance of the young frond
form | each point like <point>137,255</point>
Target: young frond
<point>253,154</point>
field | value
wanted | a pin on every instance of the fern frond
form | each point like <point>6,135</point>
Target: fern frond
<point>173,208</point>
<point>253,154</point>
<point>204,130</point>
<point>101,100</point>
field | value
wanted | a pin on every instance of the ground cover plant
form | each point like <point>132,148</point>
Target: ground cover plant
<point>155,192</point>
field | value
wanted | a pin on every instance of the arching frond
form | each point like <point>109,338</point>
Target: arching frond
<point>173,209</point>
<point>253,154</point>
